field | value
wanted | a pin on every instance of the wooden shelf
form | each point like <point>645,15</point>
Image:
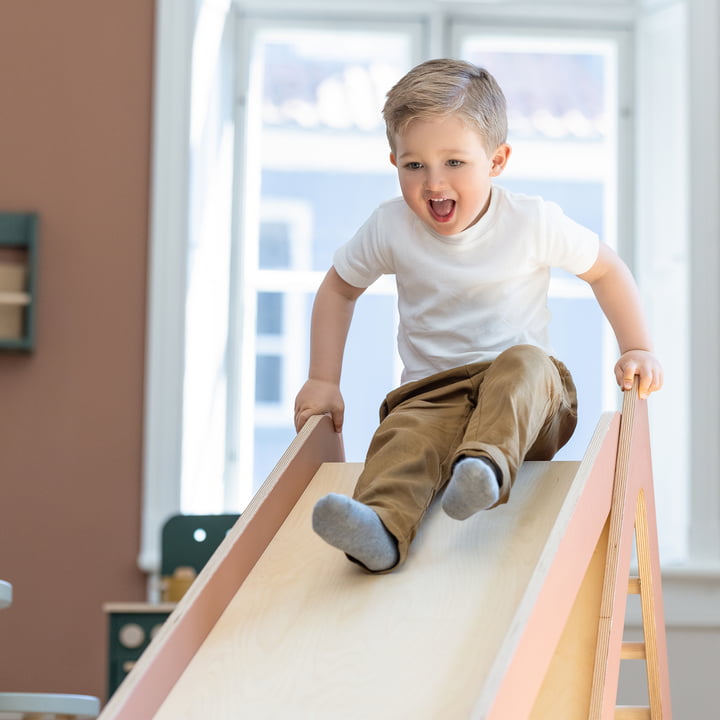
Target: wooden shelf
<point>18,280</point>
<point>14,298</point>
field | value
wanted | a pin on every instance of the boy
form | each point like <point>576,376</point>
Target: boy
<point>480,389</point>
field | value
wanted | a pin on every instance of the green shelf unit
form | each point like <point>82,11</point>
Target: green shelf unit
<point>131,627</point>
<point>18,280</point>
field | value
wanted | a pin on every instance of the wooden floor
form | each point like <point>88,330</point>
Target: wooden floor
<point>309,635</point>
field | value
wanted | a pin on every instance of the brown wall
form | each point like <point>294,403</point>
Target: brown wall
<point>75,126</point>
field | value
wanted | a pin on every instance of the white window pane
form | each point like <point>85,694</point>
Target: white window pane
<point>317,168</point>
<point>561,108</point>
<point>268,374</point>
<point>274,246</point>
<point>270,308</point>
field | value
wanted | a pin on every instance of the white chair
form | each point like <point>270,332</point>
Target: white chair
<point>43,706</point>
<point>5,594</point>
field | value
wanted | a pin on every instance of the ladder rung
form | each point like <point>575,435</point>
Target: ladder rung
<point>633,651</point>
<point>628,712</point>
<point>634,586</point>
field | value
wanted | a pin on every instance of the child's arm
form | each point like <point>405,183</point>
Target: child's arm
<point>331,316</point>
<point>618,296</point>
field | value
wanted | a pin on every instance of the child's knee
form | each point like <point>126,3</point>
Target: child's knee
<point>521,358</point>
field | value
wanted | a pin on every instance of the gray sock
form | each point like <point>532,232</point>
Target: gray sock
<point>355,529</point>
<point>474,486</point>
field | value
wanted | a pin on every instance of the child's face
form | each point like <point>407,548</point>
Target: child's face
<point>445,172</point>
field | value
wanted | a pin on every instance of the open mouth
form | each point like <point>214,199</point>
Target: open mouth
<point>441,208</point>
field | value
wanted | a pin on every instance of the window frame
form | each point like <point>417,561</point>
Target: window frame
<point>167,259</point>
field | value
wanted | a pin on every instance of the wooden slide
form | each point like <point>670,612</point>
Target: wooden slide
<point>515,613</point>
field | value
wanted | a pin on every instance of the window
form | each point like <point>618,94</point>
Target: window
<point>314,125</point>
<point>562,94</point>
<point>315,163</point>
<point>286,131</point>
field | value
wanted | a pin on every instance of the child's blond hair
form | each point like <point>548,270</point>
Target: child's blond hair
<point>442,87</point>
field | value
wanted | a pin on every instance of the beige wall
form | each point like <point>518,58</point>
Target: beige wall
<point>693,659</point>
<point>75,125</point>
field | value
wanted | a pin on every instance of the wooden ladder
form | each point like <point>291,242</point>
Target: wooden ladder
<point>632,515</point>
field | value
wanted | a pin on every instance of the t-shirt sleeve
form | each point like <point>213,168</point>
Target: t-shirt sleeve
<point>364,258</point>
<point>570,245</point>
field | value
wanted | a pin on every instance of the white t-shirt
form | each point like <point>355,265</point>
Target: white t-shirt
<point>465,298</point>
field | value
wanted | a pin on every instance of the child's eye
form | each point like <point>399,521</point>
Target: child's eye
<point>455,163</point>
<point>413,165</point>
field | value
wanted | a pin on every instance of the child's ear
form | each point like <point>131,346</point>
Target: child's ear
<point>393,159</point>
<point>499,159</point>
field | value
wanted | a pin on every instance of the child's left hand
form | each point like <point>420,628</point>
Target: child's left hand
<point>644,364</point>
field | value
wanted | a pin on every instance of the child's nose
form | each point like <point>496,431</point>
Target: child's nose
<point>434,180</point>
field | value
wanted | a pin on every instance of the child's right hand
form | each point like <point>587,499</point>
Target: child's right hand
<point>317,397</point>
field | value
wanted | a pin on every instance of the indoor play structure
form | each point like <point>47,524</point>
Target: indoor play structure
<point>515,613</point>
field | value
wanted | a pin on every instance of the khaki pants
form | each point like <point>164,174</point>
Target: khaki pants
<point>523,405</point>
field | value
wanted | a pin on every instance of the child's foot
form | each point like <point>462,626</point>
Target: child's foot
<point>474,486</point>
<point>355,529</point>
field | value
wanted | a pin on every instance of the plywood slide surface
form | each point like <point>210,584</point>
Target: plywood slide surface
<point>309,635</point>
